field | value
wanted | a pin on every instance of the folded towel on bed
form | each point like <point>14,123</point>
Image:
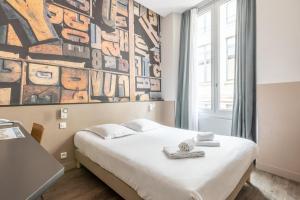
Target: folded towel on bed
<point>205,136</point>
<point>208,143</point>
<point>175,153</point>
<point>187,145</point>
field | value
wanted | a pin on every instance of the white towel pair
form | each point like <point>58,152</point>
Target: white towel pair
<point>175,153</point>
<point>206,139</point>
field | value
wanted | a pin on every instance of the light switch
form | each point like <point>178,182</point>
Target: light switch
<point>63,125</point>
<point>64,113</point>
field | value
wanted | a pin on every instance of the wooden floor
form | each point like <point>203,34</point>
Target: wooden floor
<point>80,184</point>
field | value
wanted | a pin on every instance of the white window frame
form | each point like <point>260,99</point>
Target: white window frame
<point>215,111</point>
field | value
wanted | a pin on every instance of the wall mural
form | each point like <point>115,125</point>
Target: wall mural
<point>78,51</point>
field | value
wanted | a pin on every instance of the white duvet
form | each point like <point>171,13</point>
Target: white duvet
<point>138,160</point>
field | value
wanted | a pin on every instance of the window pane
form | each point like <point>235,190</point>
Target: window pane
<point>204,60</point>
<point>227,54</point>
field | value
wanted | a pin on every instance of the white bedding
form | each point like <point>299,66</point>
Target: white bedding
<point>138,160</point>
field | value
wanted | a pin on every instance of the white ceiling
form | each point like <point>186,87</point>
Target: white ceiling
<point>165,7</point>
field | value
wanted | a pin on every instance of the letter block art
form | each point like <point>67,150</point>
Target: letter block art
<point>78,51</point>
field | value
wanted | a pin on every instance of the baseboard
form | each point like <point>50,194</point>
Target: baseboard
<point>278,171</point>
<point>69,165</point>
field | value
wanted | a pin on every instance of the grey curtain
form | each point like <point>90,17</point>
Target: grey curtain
<point>182,105</point>
<point>244,109</point>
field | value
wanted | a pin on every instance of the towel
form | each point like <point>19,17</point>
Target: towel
<point>175,153</point>
<point>208,143</point>
<point>205,136</point>
<point>187,145</point>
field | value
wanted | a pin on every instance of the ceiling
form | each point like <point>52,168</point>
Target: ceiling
<point>165,7</point>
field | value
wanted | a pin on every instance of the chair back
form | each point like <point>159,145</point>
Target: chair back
<point>37,132</point>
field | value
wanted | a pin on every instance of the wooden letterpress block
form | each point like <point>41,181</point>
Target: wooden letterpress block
<point>123,65</point>
<point>76,21</point>
<point>76,51</point>
<point>10,71</point>
<point>96,59</point>
<point>145,66</point>
<point>43,74</point>
<point>33,94</point>
<point>122,7</point>
<point>74,79</point>
<point>81,5</point>
<point>138,65</point>
<point>142,96</point>
<point>95,36</point>
<point>110,62</point>
<point>152,18</point>
<point>121,22</point>
<point>12,37</point>
<point>148,28</point>
<point>5,96</point>
<point>155,85</point>
<point>141,46</point>
<point>111,37</point>
<point>54,48</point>
<point>111,49</point>
<point>110,81</point>
<point>3,33</point>
<point>75,36</point>
<point>155,55</point>
<point>31,14</point>
<point>142,84</point>
<point>136,9</point>
<point>104,13</point>
<point>71,96</point>
<point>123,86</point>
<point>56,14</point>
<point>156,71</point>
<point>96,83</point>
<point>124,42</point>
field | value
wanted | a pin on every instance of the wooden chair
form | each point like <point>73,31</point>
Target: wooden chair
<point>37,132</point>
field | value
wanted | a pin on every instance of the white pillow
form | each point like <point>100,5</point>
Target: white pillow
<point>110,131</point>
<point>141,125</point>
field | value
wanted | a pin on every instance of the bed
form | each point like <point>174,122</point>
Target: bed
<point>136,168</point>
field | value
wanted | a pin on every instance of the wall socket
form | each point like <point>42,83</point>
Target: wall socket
<point>63,155</point>
<point>62,125</point>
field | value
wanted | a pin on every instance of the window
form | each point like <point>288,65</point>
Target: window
<point>204,60</point>
<point>216,61</point>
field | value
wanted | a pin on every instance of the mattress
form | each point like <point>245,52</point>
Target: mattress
<point>139,161</point>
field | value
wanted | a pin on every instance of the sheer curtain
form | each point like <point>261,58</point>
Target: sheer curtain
<point>193,79</point>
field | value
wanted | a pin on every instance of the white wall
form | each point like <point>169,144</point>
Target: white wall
<point>278,73</point>
<point>278,41</point>
<point>170,38</point>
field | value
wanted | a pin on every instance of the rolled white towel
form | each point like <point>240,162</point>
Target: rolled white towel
<point>187,145</point>
<point>208,143</point>
<point>205,136</point>
<point>174,153</point>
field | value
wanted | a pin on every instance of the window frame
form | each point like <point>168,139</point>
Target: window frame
<point>215,110</point>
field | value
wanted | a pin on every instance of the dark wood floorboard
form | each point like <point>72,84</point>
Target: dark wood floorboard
<point>80,184</point>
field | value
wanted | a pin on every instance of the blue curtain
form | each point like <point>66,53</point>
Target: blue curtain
<point>182,104</point>
<point>244,109</point>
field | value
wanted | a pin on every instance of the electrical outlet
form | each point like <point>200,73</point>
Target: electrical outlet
<point>63,155</point>
<point>63,125</point>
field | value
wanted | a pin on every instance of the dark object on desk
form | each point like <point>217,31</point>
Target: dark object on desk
<point>37,132</point>
<point>27,170</point>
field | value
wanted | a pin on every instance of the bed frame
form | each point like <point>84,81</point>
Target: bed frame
<point>126,191</point>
